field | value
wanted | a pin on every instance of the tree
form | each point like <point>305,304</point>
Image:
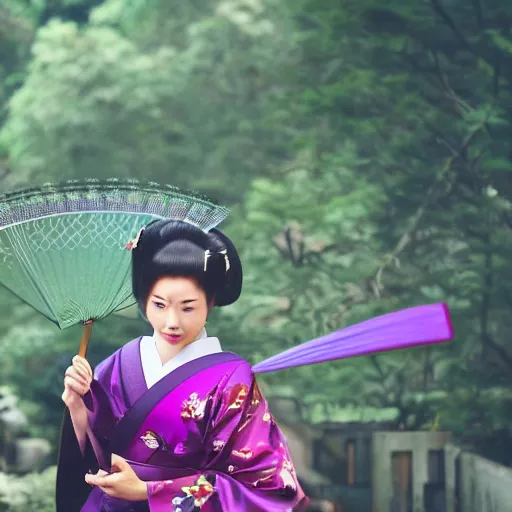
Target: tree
<point>397,86</point>
<point>363,148</point>
<point>126,103</point>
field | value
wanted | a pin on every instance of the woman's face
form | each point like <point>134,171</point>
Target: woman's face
<point>177,310</point>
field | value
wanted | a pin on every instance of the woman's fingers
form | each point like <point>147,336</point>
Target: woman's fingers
<point>77,378</point>
<point>83,364</point>
<point>82,370</point>
<point>76,386</point>
<point>105,480</point>
<point>72,373</point>
<point>73,385</point>
<point>70,397</point>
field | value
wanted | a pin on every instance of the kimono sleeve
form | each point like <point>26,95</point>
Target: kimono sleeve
<point>103,410</point>
<point>72,491</point>
<point>247,463</point>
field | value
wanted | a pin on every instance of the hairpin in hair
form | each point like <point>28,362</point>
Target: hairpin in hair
<point>208,253</point>
<point>132,244</point>
<point>226,258</point>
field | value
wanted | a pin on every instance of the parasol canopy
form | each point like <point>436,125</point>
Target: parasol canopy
<point>62,247</point>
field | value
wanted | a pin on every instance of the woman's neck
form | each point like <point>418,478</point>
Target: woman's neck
<point>166,351</point>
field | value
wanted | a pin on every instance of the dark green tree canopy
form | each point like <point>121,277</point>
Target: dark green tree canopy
<point>364,148</point>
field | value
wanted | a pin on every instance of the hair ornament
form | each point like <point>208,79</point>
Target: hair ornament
<point>208,253</point>
<point>132,244</point>
<point>226,258</point>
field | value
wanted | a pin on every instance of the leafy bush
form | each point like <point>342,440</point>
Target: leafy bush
<point>32,492</point>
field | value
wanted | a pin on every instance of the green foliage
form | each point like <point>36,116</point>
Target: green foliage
<point>363,148</point>
<point>30,492</point>
<point>92,98</point>
<point>120,104</point>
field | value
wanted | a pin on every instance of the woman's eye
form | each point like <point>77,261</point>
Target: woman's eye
<point>188,310</point>
<point>159,305</point>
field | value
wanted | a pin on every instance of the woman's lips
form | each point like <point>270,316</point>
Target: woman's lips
<point>172,338</point>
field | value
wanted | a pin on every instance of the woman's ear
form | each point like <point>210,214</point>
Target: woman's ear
<point>211,305</point>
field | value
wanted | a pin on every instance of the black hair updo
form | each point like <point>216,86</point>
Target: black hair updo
<point>168,248</point>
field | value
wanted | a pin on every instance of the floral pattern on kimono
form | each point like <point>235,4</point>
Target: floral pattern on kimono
<point>246,464</point>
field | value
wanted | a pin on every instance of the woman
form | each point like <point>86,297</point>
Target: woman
<point>171,422</point>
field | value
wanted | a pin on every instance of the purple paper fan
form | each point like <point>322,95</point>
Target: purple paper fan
<point>421,325</point>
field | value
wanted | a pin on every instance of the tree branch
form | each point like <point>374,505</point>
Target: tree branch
<point>427,369</point>
<point>378,367</point>
<point>486,338</point>
<point>460,105</point>
<point>376,364</point>
<point>486,295</point>
<point>500,351</point>
<point>406,238</point>
<point>438,8</point>
<point>478,14</point>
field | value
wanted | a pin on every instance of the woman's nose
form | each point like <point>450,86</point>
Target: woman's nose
<point>172,321</point>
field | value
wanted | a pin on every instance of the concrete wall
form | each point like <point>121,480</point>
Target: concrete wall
<point>451,455</point>
<point>354,499</point>
<point>484,485</point>
<point>419,443</point>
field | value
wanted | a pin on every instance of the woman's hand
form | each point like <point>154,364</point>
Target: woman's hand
<point>122,483</point>
<point>77,382</point>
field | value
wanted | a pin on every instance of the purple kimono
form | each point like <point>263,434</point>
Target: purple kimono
<point>202,438</point>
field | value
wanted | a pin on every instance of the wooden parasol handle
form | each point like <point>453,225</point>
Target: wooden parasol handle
<point>82,352</point>
<point>86,336</point>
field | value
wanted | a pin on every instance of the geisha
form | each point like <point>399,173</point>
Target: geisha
<point>171,422</point>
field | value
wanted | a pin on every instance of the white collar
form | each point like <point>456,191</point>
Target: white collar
<point>152,364</point>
